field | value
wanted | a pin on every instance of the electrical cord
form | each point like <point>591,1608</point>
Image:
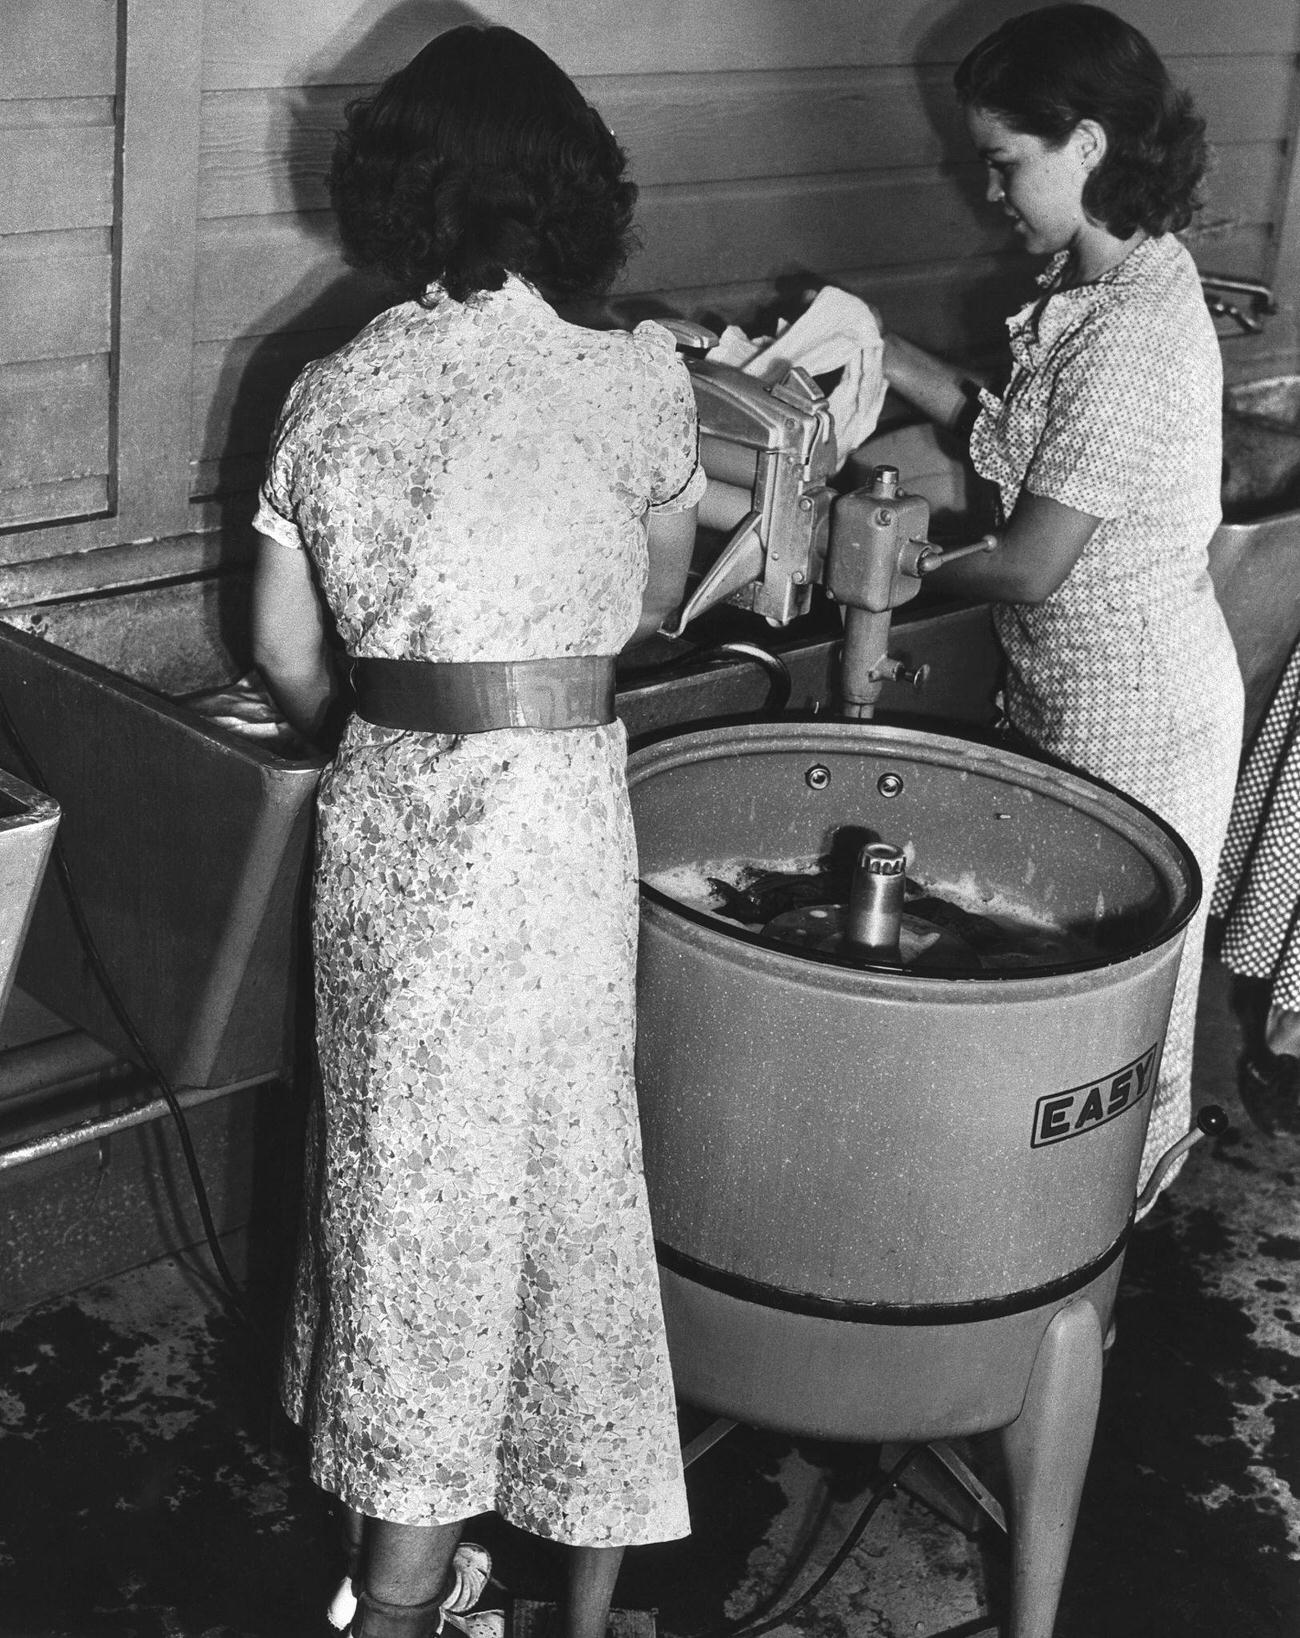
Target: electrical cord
<point>32,772</point>
<point>747,1629</point>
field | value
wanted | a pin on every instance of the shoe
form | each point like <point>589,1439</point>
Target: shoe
<point>343,1605</point>
<point>471,1567</point>
<point>1269,1087</point>
<point>480,1624</point>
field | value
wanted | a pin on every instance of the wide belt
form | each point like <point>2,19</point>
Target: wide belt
<point>475,696</point>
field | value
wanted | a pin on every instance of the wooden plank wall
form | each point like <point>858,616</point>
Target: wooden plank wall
<point>777,143</point>
<point>58,81</point>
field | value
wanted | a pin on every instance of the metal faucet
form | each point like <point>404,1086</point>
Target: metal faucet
<point>1261,296</point>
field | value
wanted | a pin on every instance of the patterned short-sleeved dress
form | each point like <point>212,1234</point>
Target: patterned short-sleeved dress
<point>1258,891</point>
<point>476,1324</point>
<point>1127,671</point>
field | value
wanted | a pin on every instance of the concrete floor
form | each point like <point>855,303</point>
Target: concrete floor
<point>151,1490</point>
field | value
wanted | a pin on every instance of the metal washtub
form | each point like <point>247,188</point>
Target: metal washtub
<point>891,1206</point>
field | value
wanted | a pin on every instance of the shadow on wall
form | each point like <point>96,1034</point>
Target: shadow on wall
<point>330,303</point>
<point>938,38</point>
<point>320,308</point>
<point>944,33</point>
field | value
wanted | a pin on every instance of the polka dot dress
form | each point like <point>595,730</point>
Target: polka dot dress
<point>1258,891</point>
<point>476,1325</point>
<point>1127,670</point>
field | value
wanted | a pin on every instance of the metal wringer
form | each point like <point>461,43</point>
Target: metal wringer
<point>769,452</point>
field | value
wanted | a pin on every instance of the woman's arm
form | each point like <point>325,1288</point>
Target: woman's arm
<point>289,635</point>
<point>1035,552</point>
<point>670,537</point>
<point>944,392</point>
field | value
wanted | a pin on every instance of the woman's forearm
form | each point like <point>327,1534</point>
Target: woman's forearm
<point>288,632</point>
<point>946,393</point>
<point>303,697</point>
<point>1034,553</point>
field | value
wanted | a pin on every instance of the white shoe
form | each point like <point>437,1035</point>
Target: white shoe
<point>481,1624</point>
<point>471,1566</point>
<point>343,1606</point>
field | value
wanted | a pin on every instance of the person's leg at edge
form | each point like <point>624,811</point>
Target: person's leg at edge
<point>592,1574</point>
<point>354,1535</point>
<point>408,1563</point>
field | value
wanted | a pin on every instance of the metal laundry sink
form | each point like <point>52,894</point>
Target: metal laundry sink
<point>1261,448</point>
<point>185,842</point>
<point>28,821</point>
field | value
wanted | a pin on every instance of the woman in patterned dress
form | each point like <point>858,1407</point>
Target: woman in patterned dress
<point>471,493</point>
<point>1104,445</point>
<point>1258,898</point>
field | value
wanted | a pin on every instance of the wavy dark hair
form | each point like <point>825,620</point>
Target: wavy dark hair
<point>1043,72</point>
<point>478,159</point>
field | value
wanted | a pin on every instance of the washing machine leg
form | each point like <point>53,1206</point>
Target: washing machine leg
<point>1046,1451</point>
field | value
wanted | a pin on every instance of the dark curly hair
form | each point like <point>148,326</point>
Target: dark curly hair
<point>478,159</point>
<point>1043,72</point>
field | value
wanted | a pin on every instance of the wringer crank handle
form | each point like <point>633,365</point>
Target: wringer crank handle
<point>1210,1122</point>
<point>931,557</point>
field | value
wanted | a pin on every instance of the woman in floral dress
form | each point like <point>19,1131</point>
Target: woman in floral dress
<point>472,493</point>
<point>1104,445</point>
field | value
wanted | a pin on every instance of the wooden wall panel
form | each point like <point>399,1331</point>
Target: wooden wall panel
<point>1243,99</point>
<point>54,301</point>
<point>63,50</point>
<point>157,242</point>
<point>777,143</point>
<point>1241,190</point>
<point>41,443</point>
<point>58,75</point>
<point>56,111</point>
<point>755,181</point>
<point>259,276</point>
<point>267,151</point>
<point>266,43</point>
<point>239,387</point>
<point>56,177</point>
<point>41,503</point>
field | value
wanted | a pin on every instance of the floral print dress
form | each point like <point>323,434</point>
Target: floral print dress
<point>476,1325</point>
<point>1127,671</point>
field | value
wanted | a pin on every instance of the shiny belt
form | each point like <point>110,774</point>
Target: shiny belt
<point>475,696</point>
